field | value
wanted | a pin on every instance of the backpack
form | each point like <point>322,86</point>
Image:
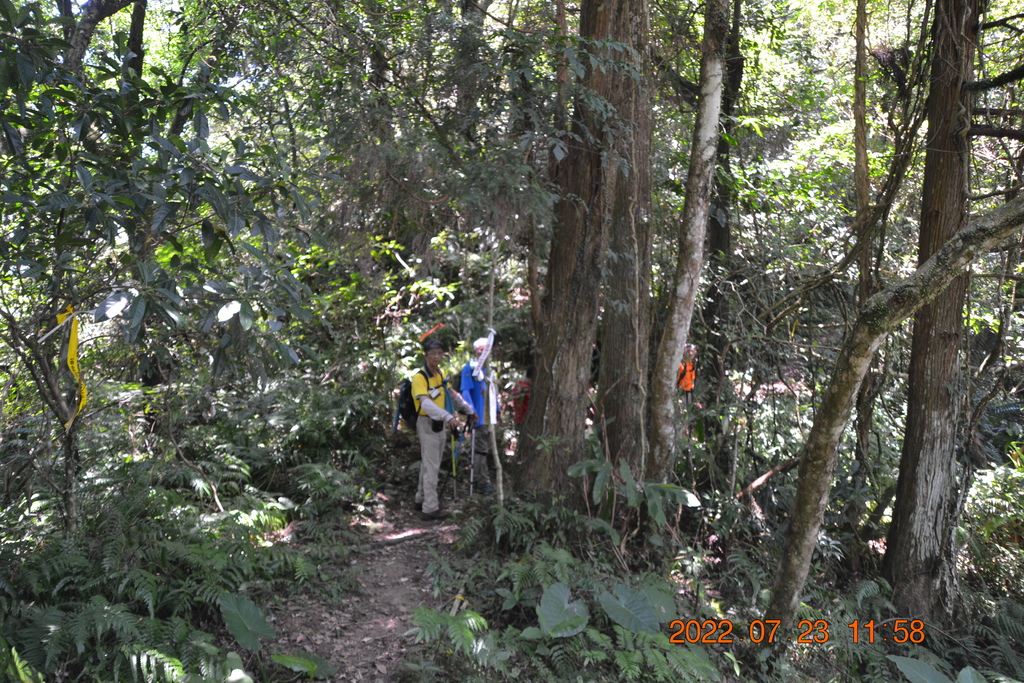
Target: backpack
<point>407,404</point>
<point>455,383</point>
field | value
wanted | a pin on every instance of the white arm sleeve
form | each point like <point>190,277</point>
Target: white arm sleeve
<point>432,410</point>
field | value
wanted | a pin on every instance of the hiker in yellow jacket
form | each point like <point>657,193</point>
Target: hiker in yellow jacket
<point>436,407</point>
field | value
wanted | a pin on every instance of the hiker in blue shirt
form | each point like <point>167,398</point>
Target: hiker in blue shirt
<point>480,390</point>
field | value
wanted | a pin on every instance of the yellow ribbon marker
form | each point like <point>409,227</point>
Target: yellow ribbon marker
<point>73,361</point>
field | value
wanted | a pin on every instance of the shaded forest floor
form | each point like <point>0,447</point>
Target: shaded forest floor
<point>364,635</point>
<point>363,632</point>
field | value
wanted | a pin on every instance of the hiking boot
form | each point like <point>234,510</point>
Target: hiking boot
<point>435,515</point>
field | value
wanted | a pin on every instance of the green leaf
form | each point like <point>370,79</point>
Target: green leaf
<point>13,136</point>
<point>632,495</point>
<point>296,663</point>
<point>201,125</point>
<point>970,675</point>
<point>604,473</point>
<point>243,173</point>
<point>135,315</point>
<point>306,663</point>
<point>26,69</point>
<point>246,317</point>
<point>917,671</point>
<point>655,505</point>
<point>14,668</point>
<point>211,251</point>
<point>559,617</point>
<point>244,620</point>
<point>165,211</point>
<point>602,525</point>
<point>57,201</point>
<point>663,601</point>
<point>8,12</point>
<point>9,198</point>
<point>84,177</point>
<point>287,352</point>
<point>630,609</point>
<point>675,494</point>
<point>584,467</point>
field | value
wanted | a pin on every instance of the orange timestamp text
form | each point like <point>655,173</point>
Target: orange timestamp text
<point>766,631</point>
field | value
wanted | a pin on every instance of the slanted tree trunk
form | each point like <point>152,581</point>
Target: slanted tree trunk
<point>692,228</point>
<point>917,561</point>
<point>589,177</point>
<point>879,316</point>
<point>92,13</point>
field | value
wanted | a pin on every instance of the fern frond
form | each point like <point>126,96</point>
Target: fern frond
<point>629,663</point>
<point>657,664</point>
<point>691,663</point>
<point>302,570</point>
<point>867,589</point>
<point>562,659</point>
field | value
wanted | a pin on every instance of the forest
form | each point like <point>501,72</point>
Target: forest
<point>226,229</point>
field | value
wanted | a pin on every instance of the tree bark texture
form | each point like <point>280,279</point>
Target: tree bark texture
<point>719,242</point>
<point>136,37</point>
<point>879,316</point>
<point>917,563</point>
<point>93,12</point>
<point>692,228</point>
<point>589,176</point>
<point>623,337</point>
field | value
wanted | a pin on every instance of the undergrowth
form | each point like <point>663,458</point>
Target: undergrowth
<point>543,595</point>
<point>174,545</point>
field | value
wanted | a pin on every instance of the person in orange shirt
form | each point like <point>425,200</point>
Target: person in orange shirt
<point>687,373</point>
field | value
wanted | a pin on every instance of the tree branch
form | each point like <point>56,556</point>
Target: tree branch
<point>990,83</point>
<point>760,481</point>
<point>93,12</point>
<point>1005,21</point>
<point>993,132</point>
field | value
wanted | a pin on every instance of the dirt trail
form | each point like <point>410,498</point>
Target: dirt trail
<point>364,635</point>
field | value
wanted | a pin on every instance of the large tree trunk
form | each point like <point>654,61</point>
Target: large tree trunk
<point>917,562</point>
<point>692,229</point>
<point>589,177</point>
<point>880,315</point>
<point>719,242</point>
<point>625,318</point>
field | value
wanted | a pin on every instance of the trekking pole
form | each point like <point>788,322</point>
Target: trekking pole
<point>472,460</point>
<point>455,462</point>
